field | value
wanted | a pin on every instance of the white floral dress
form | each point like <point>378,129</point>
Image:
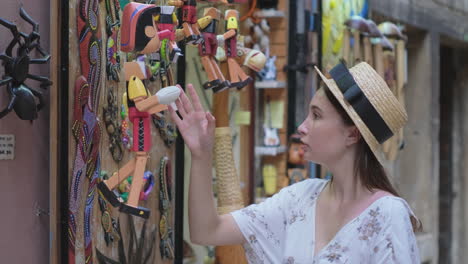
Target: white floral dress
<point>282,230</point>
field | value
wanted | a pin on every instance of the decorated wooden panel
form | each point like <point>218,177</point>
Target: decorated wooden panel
<point>116,150</point>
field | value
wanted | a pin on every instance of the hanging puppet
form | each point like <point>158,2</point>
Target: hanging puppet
<point>237,76</point>
<point>207,49</point>
<point>139,34</point>
<point>189,20</point>
<point>167,20</point>
<point>21,97</point>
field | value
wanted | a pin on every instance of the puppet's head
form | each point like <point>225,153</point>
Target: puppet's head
<point>232,19</point>
<point>139,31</point>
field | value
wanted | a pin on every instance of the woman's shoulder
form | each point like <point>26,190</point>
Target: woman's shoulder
<point>397,210</point>
<point>309,184</point>
<point>395,205</point>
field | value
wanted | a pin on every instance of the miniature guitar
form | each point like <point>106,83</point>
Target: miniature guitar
<point>271,137</point>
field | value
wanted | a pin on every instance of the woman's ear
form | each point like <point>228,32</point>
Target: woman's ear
<point>352,135</point>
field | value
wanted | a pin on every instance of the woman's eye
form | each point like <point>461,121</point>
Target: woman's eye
<point>315,115</point>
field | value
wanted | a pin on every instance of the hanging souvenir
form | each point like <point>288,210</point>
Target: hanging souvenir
<point>167,20</point>
<point>108,223</point>
<point>165,199</point>
<point>140,35</point>
<point>238,78</point>
<point>110,113</point>
<point>189,20</point>
<point>87,133</point>
<point>207,49</point>
<point>21,97</point>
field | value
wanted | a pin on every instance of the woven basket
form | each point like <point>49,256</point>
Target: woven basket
<point>227,180</point>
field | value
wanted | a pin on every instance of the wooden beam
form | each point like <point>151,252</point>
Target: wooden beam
<point>54,190</point>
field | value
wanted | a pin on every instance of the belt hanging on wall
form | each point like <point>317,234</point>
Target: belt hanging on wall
<point>166,233</point>
<point>87,133</point>
<point>86,127</point>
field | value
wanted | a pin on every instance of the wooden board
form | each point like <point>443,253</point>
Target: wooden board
<point>157,151</point>
<point>54,196</point>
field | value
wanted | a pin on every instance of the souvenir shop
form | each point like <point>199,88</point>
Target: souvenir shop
<point>84,123</point>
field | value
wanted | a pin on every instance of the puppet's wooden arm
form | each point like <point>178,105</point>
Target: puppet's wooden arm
<point>204,21</point>
<point>176,3</point>
<point>229,34</point>
<point>159,101</point>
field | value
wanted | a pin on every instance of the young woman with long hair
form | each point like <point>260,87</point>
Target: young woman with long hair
<point>355,217</point>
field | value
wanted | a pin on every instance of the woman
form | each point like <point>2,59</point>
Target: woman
<point>356,217</point>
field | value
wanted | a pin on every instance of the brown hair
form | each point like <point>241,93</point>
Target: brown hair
<point>366,166</point>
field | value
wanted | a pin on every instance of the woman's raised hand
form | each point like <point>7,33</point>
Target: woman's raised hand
<point>196,126</point>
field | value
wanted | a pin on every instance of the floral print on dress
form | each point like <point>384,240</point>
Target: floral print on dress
<point>256,216</point>
<point>371,225</point>
<point>281,231</point>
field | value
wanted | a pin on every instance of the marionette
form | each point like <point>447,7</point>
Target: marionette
<point>237,76</point>
<point>167,20</point>
<point>139,34</point>
<point>189,20</point>
<point>207,49</point>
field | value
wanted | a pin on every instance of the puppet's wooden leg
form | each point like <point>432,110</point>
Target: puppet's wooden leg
<point>238,77</point>
<point>224,84</point>
<point>108,185</point>
<point>131,207</point>
<point>210,72</point>
<point>175,51</point>
<point>197,32</point>
<point>137,181</point>
<point>121,174</point>
<point>192,34</point>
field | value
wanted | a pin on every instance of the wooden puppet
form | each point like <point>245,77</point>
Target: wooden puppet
<point>139,34</point>
<point>189,20</point>
<point>237,76</point>
<point>207,49</point>
<point>167,20</point>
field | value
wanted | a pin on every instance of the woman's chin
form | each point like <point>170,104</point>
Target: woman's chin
<point>312,158</point>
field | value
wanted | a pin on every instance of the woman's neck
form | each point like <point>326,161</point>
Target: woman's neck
<point>346,186</point>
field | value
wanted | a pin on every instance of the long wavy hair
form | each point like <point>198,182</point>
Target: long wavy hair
<point>366,166</point>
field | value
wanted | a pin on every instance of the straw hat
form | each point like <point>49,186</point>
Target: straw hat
<point>367,99</point>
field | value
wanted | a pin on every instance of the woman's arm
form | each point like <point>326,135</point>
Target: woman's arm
<point>206,226</point>
<point>197,128</point>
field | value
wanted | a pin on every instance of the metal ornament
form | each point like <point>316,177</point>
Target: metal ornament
<point>22,97</point>
<point>110,114</point>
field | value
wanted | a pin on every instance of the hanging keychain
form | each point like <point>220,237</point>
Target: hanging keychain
<point>165,199</point>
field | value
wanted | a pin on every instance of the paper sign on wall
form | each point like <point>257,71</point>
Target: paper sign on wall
<point>7,147</point>
<point>242,118</point>
<point>277,114</point>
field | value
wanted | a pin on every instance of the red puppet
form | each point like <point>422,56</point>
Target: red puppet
<point>237,76</point>
<point>139,34</point>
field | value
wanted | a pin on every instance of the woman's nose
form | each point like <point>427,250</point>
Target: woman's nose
<point>302,129</point>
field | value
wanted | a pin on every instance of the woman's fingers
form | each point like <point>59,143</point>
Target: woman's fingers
<point>195,99</point>
<point>211,122</point>
<point>174,116</point>
<point>181,109</point>
<point>186,102</point>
